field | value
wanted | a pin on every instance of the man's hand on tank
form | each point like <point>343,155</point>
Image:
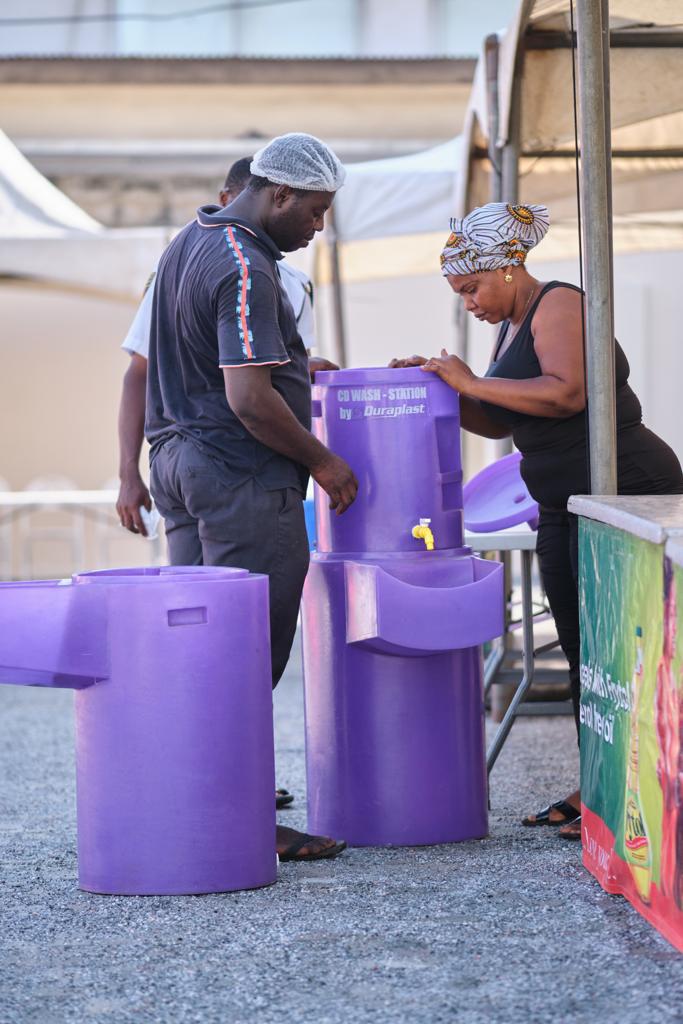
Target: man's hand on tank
<point>401,364</point>
<point>132,494</point>
<point>452,370</point>
<point>338,480</point>
<point>317,363</point>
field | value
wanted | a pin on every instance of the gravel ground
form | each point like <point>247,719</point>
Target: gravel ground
<point>510,928</point>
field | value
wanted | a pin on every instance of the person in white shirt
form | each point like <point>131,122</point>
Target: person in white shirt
<point>133,492</point>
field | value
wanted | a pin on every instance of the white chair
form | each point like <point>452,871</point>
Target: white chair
<point>107,528</point>
<point>52,527</point>
<point>5,538</point>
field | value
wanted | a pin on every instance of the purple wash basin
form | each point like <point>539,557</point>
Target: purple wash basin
<point>425,608</point>
<point>174,735</point>
<point>391,630</point>
<point>497,498</point>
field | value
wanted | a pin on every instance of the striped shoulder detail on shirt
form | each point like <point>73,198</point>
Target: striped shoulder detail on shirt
<point>243,289</point>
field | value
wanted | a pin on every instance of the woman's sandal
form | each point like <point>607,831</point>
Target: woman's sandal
<point>571,830</point>
<point>543,817</point>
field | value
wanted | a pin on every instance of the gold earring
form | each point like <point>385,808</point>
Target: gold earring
<point>508,278</point>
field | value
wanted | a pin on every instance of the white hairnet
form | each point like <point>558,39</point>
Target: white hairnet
<point>300,161</point>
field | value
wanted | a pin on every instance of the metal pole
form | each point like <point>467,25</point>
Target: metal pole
<point>509,178</point>
<point>491,47</point>
<point>596,191</point>
<point>511,150</point>
<point>510,154</point>
<point>337,290</point>
<point>608,148</point>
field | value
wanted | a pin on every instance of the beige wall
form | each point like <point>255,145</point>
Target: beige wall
<point>62,370</point>
<point>59,389</point>
<point>190,112</point>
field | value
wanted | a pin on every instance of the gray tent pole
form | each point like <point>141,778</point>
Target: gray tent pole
<point>337,290</point>
<point>596,204</point>
<point>509,175</point>
<point>608,146</point>
<point>510,153</point>
<point>511,150</point>
<point>491,48</point>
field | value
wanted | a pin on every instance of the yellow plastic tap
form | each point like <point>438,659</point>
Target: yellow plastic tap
<point>423,532</point>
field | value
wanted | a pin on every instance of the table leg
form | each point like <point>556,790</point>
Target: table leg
<point>500,647</point>
<point>527,663</point>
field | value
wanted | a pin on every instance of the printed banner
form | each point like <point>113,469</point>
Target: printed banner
<point>632,722</point>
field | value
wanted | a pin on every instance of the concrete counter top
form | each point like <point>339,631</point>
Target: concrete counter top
<point>653,517</point>
<point>674,547</point>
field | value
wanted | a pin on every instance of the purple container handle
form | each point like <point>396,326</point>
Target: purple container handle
<point>52,635</point>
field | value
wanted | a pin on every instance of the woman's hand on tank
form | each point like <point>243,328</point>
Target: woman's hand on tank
<point>401,364</point>
<point>317,363</point>
<point>452,370</point>
<point>337,479</point>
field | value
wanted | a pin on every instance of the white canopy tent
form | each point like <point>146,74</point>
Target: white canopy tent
<point>535,114</point>
<point>45,236</point>
<point>392,215</point>
<point>404,195</point>
<point>532,90</point>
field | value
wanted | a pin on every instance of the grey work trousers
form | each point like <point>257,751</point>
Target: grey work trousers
<point>209,521</point>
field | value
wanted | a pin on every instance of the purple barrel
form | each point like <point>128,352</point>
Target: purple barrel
<point>391,630</point>
<point>174,734</point>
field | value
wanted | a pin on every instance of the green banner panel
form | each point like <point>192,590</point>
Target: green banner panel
<point>632,722</point>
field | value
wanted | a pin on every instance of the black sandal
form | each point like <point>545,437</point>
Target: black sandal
<point>283,798</point>
<point>326,854</point>
<point>543,817</point>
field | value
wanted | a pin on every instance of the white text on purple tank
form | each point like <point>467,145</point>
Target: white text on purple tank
<point>378,402</point>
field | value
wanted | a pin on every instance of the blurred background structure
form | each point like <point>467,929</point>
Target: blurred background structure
<point>122,116</point>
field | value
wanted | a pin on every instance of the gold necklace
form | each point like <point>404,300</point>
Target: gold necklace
<point>511,337</point>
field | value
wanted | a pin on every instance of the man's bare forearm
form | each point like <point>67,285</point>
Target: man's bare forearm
<point>133,492</point>
<point>132,417</point>
<point>268,418</point>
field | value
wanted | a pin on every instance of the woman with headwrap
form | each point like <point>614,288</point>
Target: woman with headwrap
<point>534,389</point>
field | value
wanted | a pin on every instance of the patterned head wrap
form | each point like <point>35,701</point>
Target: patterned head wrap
<point>493,236</point>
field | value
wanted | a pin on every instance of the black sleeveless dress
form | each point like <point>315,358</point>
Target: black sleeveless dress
<point>554,450</point>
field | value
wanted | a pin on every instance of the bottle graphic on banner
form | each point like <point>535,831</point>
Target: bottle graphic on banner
<point>637,845</point>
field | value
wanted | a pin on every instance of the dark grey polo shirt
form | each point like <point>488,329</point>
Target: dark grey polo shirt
<point>218,302</point>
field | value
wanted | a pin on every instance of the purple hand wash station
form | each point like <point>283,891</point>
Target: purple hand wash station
<point>395,609</point>
<point>174,734</point>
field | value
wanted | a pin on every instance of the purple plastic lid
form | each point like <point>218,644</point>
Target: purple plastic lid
<point>163,573</point>
<point>373,375</point>
<point>497,497</point>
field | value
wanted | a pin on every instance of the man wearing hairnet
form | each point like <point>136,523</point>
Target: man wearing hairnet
<point>228,394</point>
